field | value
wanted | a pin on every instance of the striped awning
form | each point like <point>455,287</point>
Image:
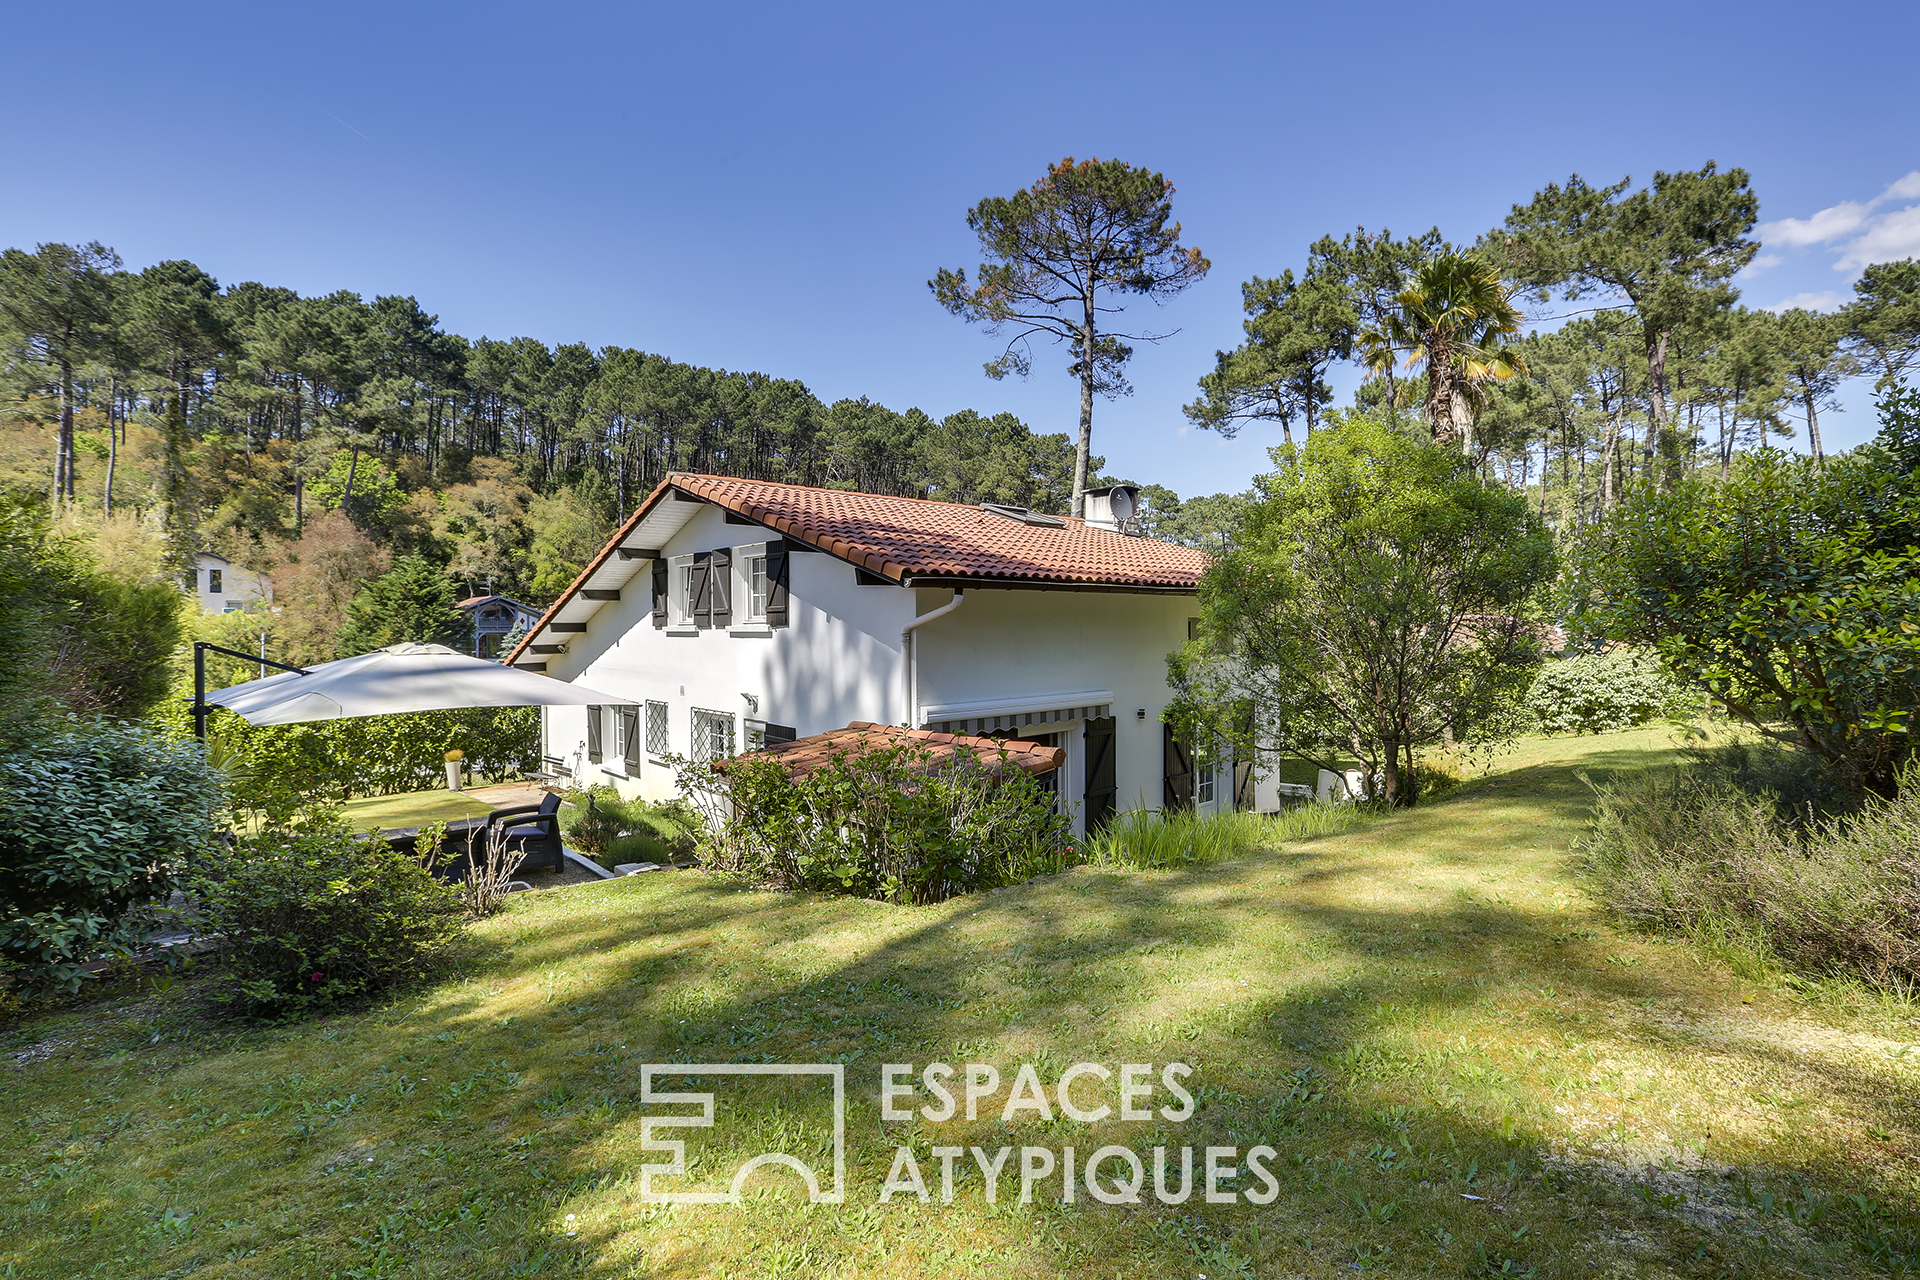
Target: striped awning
<point>1017,715</point>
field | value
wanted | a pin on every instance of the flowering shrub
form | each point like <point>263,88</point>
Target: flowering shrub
<point>312,915</point>
<point>892,823</point>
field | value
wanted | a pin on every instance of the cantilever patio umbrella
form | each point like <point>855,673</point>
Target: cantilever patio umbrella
<point>402,677</point>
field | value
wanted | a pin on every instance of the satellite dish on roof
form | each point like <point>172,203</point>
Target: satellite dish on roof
<point>1113,508</point>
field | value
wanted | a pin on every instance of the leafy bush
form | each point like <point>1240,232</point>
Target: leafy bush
<point>1153,841</point>
<point>369,755</point>
<point>103,821</point>
<point>1785,591</point>
<point>1601,692</point>
<point>895,823</point>
<point>312,915</point>
<point>80,640</point>
<point>1690,851</point>
<point>614,831</point>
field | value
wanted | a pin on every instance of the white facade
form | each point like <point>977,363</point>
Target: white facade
<point>222,586</point>
<point>1023,653</point>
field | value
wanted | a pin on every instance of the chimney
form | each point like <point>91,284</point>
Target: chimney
<point>1114,508</point>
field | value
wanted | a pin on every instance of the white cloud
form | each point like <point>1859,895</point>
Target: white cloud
<point>1868,236</point>
<point>1760,264</point>
<point>1889,238</point>
<point>1825,300</point>
<point>1905,189</point>
<point>1828,224</point>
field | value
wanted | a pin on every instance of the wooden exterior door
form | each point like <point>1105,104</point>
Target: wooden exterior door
<point>1242,785</point>
<point>1102,781</point>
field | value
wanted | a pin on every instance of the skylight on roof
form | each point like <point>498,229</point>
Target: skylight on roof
<point>1025,515</point>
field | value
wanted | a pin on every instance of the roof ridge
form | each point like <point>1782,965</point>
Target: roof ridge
<point>821,488</point>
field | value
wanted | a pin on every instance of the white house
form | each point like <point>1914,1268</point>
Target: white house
<point>741,612</point>
<point>222,586</point>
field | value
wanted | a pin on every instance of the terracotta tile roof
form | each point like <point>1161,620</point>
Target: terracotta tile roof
<point>803,755</point>
<point>902,538</point>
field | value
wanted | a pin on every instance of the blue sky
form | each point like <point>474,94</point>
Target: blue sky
<point>769,187</point>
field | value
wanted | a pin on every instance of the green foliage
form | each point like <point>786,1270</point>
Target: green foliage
<point>890,823</point>
<point>376,493</point>
<point>1147,840</point>
<point>367,755</point>
<point>311,915</point>
<point>1788,593</point>
<point>1376,599</point>
<point>412,601</point>
<point>1454,320</point>
<point>1083,234</point>
<point>1692,852</point>
<point>82,641</point>
<point>613,830</point>
<point>102,822</point>
<point>1601,692</point>
<point>1669,251</point>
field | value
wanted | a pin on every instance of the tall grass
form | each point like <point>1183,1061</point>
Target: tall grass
<point>1147,840</point>
<point>1691,852</point>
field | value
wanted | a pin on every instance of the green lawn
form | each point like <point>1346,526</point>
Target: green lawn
<point>413,809</point>
<point>1464,1070</point>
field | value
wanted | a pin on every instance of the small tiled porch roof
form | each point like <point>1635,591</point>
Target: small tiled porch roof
<point>803,755</point>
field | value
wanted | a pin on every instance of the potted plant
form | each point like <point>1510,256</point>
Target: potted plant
<point>454,757</point>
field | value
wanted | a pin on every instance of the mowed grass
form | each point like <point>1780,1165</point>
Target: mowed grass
<point>1463,1068</point>
<point>412,809</point>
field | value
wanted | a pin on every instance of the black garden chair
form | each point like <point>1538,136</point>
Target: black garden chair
<point>531,829</point>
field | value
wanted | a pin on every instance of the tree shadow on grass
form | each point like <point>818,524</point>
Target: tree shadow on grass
<point>453,1133</point>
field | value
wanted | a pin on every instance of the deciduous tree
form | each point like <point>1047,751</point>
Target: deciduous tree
<point>1375,601</point>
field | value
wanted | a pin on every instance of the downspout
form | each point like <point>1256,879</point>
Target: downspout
<point>910,693</point>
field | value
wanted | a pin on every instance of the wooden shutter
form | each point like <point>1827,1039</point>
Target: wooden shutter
<point>719,589</point>
<point>1176,789</point>
<point>594,727</point>
<point>698,590</point>
<point>660,593</point>
<point>1102,785</point>
<point>1242,784</point>
<point>777,584</point>
<point>630,719</point>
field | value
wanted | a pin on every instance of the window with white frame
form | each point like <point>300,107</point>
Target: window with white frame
<point>712,734</point>
<point>621,723</point>
<point>657,729</point>
<point>1203,788</point>
<point>751,594</point>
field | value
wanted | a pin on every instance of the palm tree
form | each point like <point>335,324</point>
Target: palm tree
<point>1455,319</point>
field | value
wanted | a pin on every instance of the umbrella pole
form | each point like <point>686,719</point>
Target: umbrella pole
<point>200,648</point>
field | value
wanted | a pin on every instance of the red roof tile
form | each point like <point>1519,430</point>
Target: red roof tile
<point>907,539</point>
<point>902,538</point>
<point>803,755</point>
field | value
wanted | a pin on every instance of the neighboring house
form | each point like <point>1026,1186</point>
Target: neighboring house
<point>739,613</point>
<point>493,618</point>
<point>223,586</point>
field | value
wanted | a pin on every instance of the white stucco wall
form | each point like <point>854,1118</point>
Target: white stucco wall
<point>239,586</point>
<point>839,660</point>
<point>1031,644</point>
